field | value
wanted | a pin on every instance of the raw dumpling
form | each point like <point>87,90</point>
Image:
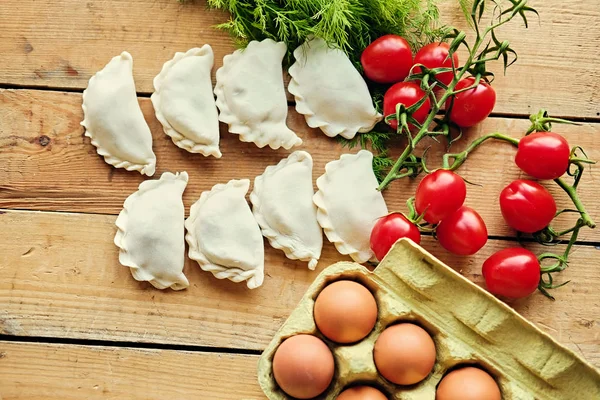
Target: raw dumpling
<point>150,232</point>
<point>283,206</point>
<point>113,118</point>
<point>185,104</point>
<point>251,97</point>
<point>330,92</point>
<point>350,204</point>
<point>223,235</point>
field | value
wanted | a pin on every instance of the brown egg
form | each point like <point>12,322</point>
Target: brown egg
<point>468,384</point>
<point>404,354</point>
<point>303,366</point>
<point>345,311</point>
<point>361,393</point>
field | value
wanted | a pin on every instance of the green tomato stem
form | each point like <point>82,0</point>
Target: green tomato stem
<point>572,193</point>
<point>436,106</point>
<point>460,158</point>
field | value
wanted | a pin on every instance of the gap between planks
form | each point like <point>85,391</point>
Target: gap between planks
<point>127,344</point>
<point>490,237</point>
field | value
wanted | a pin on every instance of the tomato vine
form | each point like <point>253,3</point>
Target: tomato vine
<point>486,47</point>
<point>542,122</point>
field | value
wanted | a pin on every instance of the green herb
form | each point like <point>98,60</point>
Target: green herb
<point>347,24</point>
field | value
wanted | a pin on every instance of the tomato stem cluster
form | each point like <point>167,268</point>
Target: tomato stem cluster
<point>487,47</point>
<point>459,158</point>
<point>542,122</point>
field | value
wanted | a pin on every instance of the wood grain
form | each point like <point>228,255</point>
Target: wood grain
<point>60,277</point>
<point>47,164</point>
<point>67,372</point>
<point>558,67</point>
<point>61,44</point>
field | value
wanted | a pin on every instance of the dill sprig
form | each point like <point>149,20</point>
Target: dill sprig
<point>347,24</point>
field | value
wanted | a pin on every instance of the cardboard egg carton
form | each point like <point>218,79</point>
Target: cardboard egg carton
<point>468,325</point>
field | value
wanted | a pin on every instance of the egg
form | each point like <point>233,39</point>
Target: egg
<point>345,311</point>
<point>361,393</point>
<point>303,366</point>
<point>404,354</point>
<point>468,384</point>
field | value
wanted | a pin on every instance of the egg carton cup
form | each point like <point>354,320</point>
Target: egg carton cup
<point>468,325</point>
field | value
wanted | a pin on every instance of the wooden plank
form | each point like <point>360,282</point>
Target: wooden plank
<point>555,52</point>
<point>67,372</point>
<point>47,163</point>
<point>62,44</point>
<point>59,277</point>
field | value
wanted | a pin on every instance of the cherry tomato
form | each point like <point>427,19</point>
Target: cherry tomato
<point>471,106</point>
<point>463,232</point>
<point>435,55</point>
<point>439,194</point>
<point>387,59</point>
<point>407,93</point>
<point>388,230</point>
<point>513,273</point>
<point>527,206</point>
<point>543,155</point>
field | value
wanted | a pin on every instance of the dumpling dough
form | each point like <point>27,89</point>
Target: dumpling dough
<point>150,232</point>
<point>251,97</point>
<point>184,102</point>
<point>283,206</point>
<point>223,235</point>
<point>330,92</point>
<point>113,118</point>
<point>350,204</point>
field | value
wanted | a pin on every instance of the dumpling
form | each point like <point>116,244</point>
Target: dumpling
<point>251,97</point>
<point>184,102</point>
<point>223,235</point>
<point>330,92</point>
<point>150,232</point>
<point>113,118</point>
<point>284,209</point>
<point>349,204</point>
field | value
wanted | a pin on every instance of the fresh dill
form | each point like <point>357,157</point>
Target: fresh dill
<point>347,24</point>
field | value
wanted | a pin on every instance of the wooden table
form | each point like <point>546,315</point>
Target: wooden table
<point>73,322</point>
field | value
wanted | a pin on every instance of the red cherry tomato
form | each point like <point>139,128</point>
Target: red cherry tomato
<point>513,273</point>
<point>543,155</point>
<point>407,93</point>
<point>463,232</point>
<point>435,55</point>
<point>527,206</point>
<point>471,106</point>
<point>388,230</point>
<point>439,194</point>
<point>387,59</point>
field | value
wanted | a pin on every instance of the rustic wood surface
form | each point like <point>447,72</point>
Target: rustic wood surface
<point>61,278</point>
<point>61,44</point>
<point>55,371</point>
<point>73,322</point>
<point>50,165</point>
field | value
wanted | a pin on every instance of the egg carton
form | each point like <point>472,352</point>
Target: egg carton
<point>468,325</point>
